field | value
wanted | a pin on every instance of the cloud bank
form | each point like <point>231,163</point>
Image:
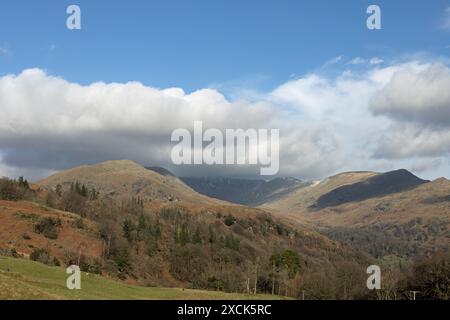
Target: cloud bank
<point>379,118</point>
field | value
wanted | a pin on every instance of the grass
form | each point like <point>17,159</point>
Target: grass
<point>28,280</point>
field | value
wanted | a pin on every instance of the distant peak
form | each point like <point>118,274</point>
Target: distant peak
<point>353,173</point>
<point>124,161</point>
<point>118,164</point>
<point>441,179</point>
<point>161,171</point>
<point>403,173</point>
<point>378,185</point>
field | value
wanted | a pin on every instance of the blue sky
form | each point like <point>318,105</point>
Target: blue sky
<point>196,44</point>
<point>344,97</point>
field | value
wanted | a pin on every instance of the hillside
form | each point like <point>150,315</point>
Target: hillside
<point>123,179</point>
<point>383,214</point>
<point>18,221</point>
<point>28,280</point>
<point>146,240</point>
<point>376,186</point>
<point>306,196</point>
<point>243,191</point>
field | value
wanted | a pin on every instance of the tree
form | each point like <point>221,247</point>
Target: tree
<point>196,238</point>
<point>288,260</point>
<point>142,222</point>
<point>431,278</point>
<point>84,191</point>
<point>143,229</point>
<point>183,237</point>
<point>73,202</point>
<point>9,190</point>
<point>59,190</point>
<point>291,261</point>
<point>93,194</point>
<point>231,242</point>
<point>23,183</point>
<point>212,236</point>
<point>128,228</point>
<point>157,230</point>
<point>77,187</point>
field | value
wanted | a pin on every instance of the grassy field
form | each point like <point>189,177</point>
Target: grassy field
<point>24,279</point>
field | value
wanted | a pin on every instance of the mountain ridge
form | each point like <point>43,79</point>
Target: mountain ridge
<point>243,191</point>
<point>376,186</point>
<point>125,179</point>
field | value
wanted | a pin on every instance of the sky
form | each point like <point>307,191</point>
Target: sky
<point>344,97</point>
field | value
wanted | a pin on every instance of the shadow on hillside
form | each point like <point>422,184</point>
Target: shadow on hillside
<point>377,186</point>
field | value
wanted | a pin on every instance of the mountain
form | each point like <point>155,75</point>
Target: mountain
<point>243,191</point>
<point>151,229</point>
<point>410,223</point>
<point>393,213</point>
<point>376,186</point>
<point>121,179</point>
<point>306,195</point>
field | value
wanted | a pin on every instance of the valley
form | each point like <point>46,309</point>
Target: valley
<point>145,227</point>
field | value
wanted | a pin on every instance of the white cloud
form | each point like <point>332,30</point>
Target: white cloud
<point>362,61</point>
<point>49,122</point>
<point>334,60</point>
<point>419,94</point>
<point>358,60</point>
<point>375,61</point>
<point>417,99</point>
<point>327,123</point>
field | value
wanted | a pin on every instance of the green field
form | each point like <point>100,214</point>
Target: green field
<point>24,279</point>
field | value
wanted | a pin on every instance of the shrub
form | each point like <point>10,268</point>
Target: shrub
<point>79,223</point>
<point>231,242</point>
<point>48,227</point>
<point>229,220</point>
<point>56,262</point>
<point>86,263</point>
<point>25,236</point>
<point>40,255</point>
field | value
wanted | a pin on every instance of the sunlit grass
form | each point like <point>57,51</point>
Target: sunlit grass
<point>24,279</point>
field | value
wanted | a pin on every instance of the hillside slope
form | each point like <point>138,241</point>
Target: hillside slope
<point>212,245</point>
<point>306,196</point>
<point>125,179</point>
<point>243,191</point>
<point>383,214</point>
<point>24,280</point>
<point>18,221</point>
<point>376,186</point>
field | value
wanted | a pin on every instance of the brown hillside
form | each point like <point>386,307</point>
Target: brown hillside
<point>125,179</point>
<point>411,222</point>
<point>302,198</point>
<point>17,231</point>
